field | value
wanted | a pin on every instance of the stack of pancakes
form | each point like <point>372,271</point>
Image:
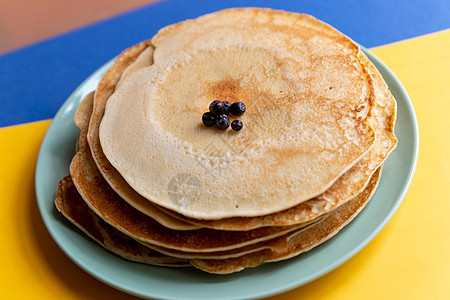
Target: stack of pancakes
<point>151,183</point>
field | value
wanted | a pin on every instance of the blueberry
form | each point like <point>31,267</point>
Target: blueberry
<point>226,106</point>
<point>217,107</point>
<point>209,119</point>
<point>237,108</point>
<point>222,122</point>
<point>236,125</point>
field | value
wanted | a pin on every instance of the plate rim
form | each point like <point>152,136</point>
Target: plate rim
<point>390,78</point>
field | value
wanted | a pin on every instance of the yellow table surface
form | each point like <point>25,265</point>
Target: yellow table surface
<point>409,259</point>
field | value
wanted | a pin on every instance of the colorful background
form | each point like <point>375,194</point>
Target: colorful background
<point>409,259</point>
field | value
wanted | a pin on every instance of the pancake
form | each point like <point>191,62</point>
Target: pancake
<point>295,243</point>
<point>154,141</point>
<point>109,206</point>
<point>72,206</point>
<point>224,254</point>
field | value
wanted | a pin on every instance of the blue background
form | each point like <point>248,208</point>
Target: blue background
<point>36,80</point>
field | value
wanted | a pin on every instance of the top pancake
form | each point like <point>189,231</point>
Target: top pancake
<point>305,91</point>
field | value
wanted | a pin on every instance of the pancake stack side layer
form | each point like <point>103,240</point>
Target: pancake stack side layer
<point>151,183</point>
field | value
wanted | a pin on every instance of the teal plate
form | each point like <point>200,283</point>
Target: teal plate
<point>142,280</point>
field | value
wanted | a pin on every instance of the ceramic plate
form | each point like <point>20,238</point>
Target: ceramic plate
<point>188,283</point>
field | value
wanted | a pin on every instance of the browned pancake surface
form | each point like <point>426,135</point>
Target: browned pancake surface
<point>69,202</point>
